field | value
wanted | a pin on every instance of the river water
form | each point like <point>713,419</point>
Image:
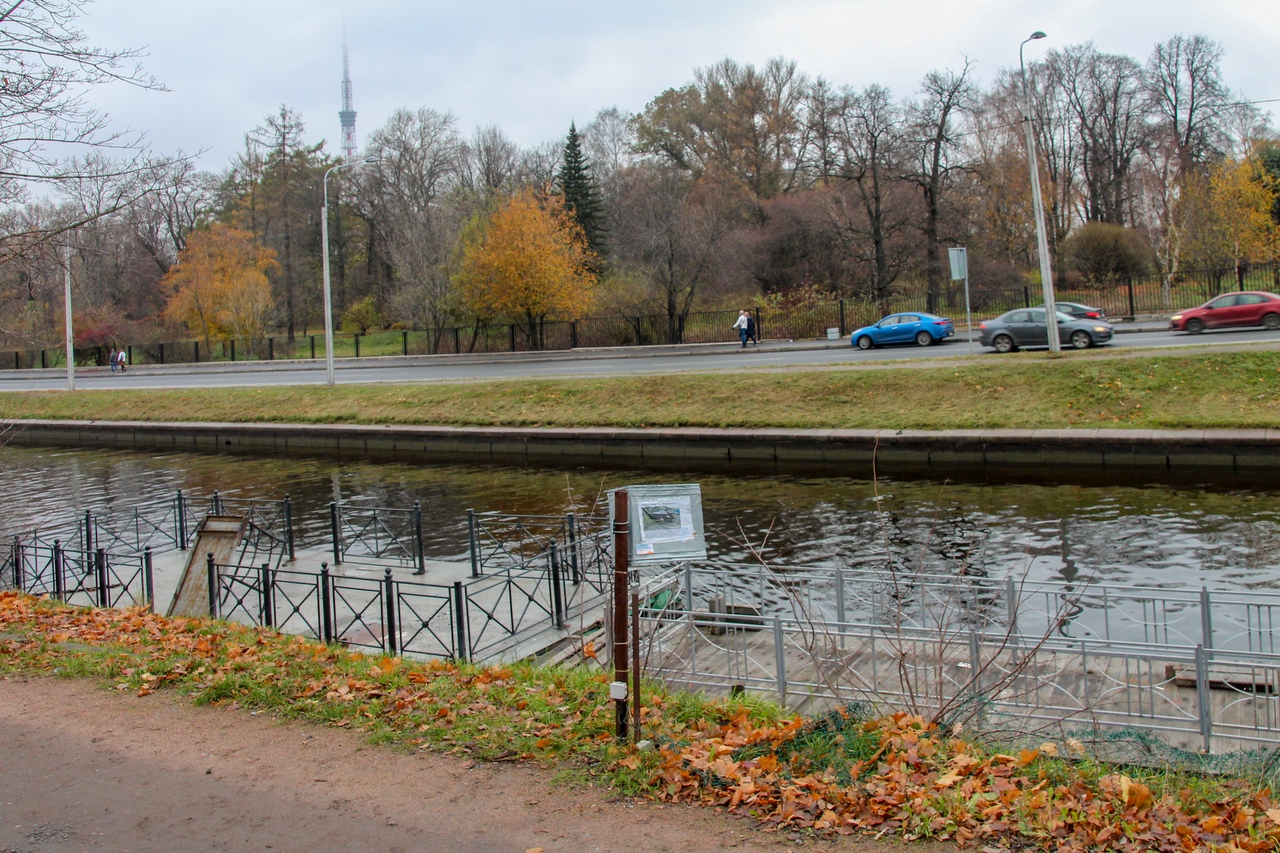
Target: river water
<point>1163,535</point>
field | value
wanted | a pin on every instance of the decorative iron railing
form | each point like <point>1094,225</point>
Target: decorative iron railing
<point>97,578</point>
<point>502,541</point>
<point>478,618</point>
<point>377,535</point>
<point>268,535</point>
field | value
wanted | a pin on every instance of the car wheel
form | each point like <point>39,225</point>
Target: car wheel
<point>1003,343</point>
<point>864,342</point>
<point>1080,339</point>
<point>1195,327</point>
<point>1271,321</point>
<point>924,338</point>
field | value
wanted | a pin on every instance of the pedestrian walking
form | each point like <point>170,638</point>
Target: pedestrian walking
<point>123,358</point>
<point>741,325</point>
<point>751,330</point>
<point>111,358</point>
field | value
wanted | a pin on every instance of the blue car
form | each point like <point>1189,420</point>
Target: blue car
<point>913,328</point>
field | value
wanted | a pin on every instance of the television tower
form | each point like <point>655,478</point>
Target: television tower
<point>347,115</point>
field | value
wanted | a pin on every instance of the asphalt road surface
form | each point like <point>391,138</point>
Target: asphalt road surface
<point>611,363</point>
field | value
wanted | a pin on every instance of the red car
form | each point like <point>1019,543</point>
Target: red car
<point>1249,308</point>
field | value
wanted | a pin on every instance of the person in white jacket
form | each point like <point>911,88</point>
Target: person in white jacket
<point>741,326</point>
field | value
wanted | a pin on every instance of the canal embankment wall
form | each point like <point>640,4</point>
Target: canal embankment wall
<point>850,452</point>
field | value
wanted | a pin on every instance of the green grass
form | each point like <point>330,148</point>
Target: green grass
<point>1224,390</point>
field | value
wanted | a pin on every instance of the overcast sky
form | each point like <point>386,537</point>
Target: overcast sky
<point>531,67</point>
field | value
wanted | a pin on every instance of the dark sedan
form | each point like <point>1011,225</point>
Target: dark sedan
<point>1081,312</point>
<point>1025,327</point>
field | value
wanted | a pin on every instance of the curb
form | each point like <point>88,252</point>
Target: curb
<point>1115,454</point>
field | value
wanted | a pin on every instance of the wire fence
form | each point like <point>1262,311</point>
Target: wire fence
<point>1127,297</point>
<point>1198,669</point>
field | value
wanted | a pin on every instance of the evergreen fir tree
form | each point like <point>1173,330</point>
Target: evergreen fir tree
<point>581,196</point>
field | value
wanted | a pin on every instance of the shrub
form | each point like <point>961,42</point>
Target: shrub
<point>1103,252</point>
<point>362,316</point>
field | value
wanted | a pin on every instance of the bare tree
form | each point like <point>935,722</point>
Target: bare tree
<point>935,158</point>
<point>610,145</point>
<point>871,164</point>
<point>674,233</point>
<point>1104,97</point>
<point>161,220</point>
<point>47,67</point>
<point>1187,96</point>
<point>421,160</point>
<point>536,167</point>
<point>820,154</point>
<point>491,163</point>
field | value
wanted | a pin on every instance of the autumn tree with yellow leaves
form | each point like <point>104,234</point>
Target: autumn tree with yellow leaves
<point>219,286</point>
<point>526,263</point>
<point>1236,226</point>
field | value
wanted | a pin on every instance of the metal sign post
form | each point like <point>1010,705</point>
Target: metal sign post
<point>959,257</point>
<point>621,552</point>
<point>654,525</point>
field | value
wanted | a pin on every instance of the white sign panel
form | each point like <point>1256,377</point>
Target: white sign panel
<point>959,263</point>
<point>666,523</point>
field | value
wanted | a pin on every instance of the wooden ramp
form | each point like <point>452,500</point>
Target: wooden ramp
<point>219,535</point>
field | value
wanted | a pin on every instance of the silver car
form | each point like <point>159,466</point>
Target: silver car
<point>1025,327</point>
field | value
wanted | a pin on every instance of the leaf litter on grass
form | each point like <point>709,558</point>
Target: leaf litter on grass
<point>843,773</point>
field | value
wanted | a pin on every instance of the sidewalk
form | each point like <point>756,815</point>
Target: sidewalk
<point>648,351</point>
<point>89,768</point>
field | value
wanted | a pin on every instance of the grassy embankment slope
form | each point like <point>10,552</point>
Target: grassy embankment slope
<point>1183,391</point>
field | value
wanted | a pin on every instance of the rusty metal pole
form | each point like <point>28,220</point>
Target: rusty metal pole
<point>621,550</point>
<point>635,666</point>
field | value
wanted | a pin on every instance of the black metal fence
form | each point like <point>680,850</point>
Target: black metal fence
<point>377,535</point>
<point>1123,297</point>
<point>97,578</point>
<point>476,618</point>
<point>499,542</point>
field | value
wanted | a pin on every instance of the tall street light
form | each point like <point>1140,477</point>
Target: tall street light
<point>1042,239</point>
<point>328,294</point>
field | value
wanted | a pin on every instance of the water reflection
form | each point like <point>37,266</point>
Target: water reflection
<point>1161,535</point>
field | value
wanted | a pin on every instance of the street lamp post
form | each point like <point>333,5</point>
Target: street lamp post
<point>1037,204</point>
<point>328,293</point>
<point>71,335</point>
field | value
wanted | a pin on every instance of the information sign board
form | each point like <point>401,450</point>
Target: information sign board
<point>665,523</point>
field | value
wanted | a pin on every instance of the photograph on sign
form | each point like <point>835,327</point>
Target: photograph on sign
<point>666,524</point>
<point>665,519</point>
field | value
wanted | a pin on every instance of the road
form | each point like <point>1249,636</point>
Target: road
<point>536,365</point>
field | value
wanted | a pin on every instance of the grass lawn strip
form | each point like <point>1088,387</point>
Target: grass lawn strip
<point>1223,390</point>
<point>838,774</point>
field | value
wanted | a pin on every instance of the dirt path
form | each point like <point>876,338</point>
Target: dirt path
<point>84,768</point>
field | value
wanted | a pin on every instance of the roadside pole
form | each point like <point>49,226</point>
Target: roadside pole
<point>959,257</point>
<point>71,337</point>
<point>621,551</point>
